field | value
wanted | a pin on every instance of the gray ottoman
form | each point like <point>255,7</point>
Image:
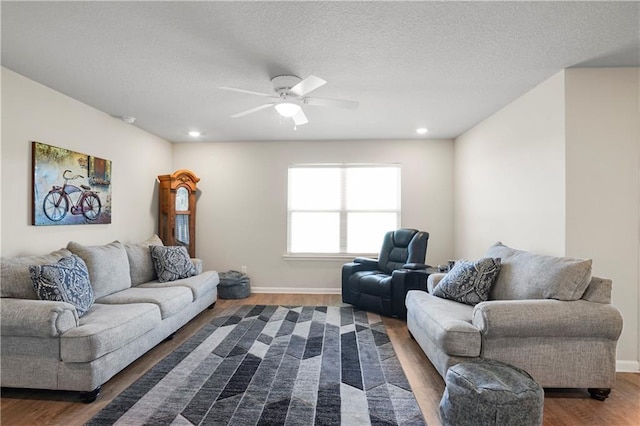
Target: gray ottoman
<point>234,285</point>
<point>489,392</point>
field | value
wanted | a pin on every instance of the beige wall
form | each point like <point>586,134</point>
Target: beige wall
<point>242,216</point>
<point>509,176</point>
<point>31,112</point>
<point>603,152</point>
<point>561,169</point>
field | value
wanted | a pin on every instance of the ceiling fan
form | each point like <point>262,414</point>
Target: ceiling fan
<point>290,94</point>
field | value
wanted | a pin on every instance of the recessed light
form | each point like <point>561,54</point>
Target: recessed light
<point>194,133</point>
<point>128,119</point>
<point>422,130</point>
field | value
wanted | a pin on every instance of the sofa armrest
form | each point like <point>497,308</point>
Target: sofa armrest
<point>37,318</point>
<point>433,281</point>
<point>599,290</point>
<point>547,318</point>
<point>198,265</point>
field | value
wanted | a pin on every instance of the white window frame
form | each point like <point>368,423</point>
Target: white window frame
<point>343,253</point>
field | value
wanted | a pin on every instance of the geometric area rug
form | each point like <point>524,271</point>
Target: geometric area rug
<point>274,365</point>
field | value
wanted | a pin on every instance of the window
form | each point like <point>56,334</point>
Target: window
<point>340,209</point>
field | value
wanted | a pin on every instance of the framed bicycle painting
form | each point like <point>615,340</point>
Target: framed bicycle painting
<point>69,188</point>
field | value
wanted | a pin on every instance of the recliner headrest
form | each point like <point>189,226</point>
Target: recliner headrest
<point>402,237</point>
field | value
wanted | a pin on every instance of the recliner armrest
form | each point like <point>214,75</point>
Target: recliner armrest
<point>402,281</point>
<point>370,263</point>
<point>348,269</point>
<point>415,266</point>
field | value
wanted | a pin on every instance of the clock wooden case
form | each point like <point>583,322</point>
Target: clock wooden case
<point>177,218</point>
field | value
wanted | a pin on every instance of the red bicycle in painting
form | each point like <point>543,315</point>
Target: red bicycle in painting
<point>57,202</point>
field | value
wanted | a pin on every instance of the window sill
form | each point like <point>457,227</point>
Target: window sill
<point>327,257</point>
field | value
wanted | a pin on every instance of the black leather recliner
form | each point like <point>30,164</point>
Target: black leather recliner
<point>381,285</point>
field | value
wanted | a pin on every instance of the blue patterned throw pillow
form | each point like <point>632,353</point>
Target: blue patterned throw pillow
<point>64,281</point>
<point>172,263</point>
<point>469,282</point>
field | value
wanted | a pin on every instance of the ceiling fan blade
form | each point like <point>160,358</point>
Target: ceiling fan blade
<point>307,85</point>
<point>340,103</point>
<point>300,118</point>
<point>249,92</point>
<point>252,110</point>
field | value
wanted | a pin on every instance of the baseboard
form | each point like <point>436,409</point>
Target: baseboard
<point>290,290</point>
<point>623,366</point>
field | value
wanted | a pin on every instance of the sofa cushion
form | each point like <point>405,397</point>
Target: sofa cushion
<point>108,266</point>
<point>172,263</point>
<point>64,281</point>
<point>199,284</point>
<point>449,323</point>
<point>526,275</point>
<point>140,263</point>
<point>469,282</point>
<point>15,279</point>
<point>106,328</point>
<point>170,299</point>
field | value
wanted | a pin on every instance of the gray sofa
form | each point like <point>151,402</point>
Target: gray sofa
<point>546,315</point>
<point>47,345</point>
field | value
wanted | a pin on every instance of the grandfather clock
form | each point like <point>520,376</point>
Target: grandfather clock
<point>177,220</point>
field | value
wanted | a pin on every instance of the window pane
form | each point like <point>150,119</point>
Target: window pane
<point>315,232</point>
<point>315,188</point>
<point>373,188</point>
<point>365,231</point>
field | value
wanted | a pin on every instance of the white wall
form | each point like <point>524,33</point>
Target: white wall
<point>602,188</point>
<point>557,172</point>
<point>509,176</point>
<point>32,112</point>
<point>242,208</point>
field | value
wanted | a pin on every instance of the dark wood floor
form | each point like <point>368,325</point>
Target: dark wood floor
<point>561,407</point>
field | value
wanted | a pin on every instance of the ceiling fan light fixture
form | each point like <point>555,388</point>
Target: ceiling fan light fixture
<point>287,109</point>
<point>289,94</point>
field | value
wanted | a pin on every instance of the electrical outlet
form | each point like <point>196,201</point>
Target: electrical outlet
<point>244,269</point>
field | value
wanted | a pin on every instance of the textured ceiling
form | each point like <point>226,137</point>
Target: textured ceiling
<point>442,65</point>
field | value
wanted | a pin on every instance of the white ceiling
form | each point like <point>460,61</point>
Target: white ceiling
<point>443,65</point>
